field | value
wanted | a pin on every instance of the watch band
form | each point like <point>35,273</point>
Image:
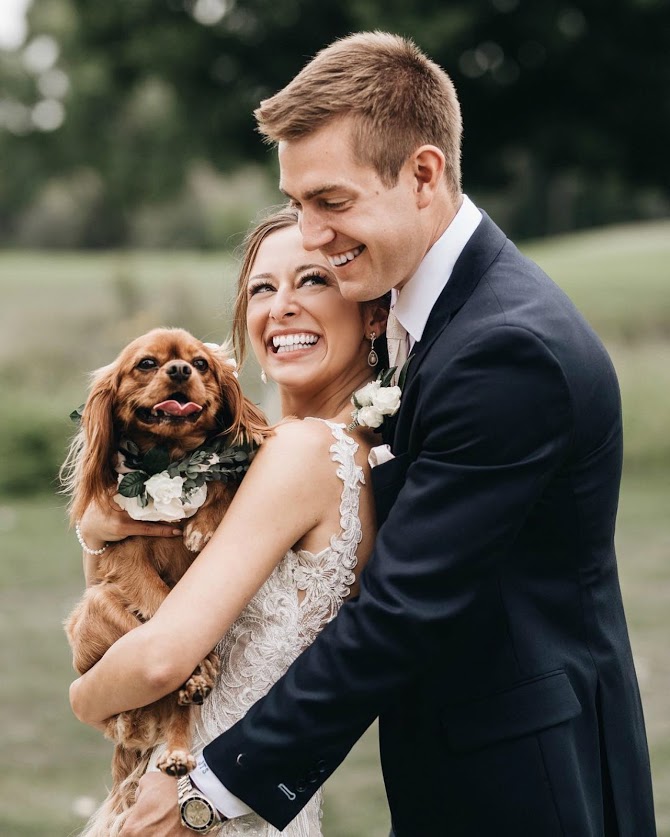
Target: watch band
<point>197,812</point>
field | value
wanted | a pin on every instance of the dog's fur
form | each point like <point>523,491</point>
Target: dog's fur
<point>136,574</point>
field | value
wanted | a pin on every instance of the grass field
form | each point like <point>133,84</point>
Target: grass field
<point>72,312</point>
<point>65,314</point>
<point>54,766</point>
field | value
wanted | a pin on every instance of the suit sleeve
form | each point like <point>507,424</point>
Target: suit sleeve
<point>494,424</point>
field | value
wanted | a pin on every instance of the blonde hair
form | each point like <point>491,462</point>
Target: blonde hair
<point>396,96</point>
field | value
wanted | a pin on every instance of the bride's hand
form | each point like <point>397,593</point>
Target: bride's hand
<point>99,526</point>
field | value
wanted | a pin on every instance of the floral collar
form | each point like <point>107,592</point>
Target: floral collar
<point>150,487</point>
<point>378,399</point>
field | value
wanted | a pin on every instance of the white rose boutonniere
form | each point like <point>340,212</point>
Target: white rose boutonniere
<point>387,400</point>
<point>368,416</point>
<point>377,399</point>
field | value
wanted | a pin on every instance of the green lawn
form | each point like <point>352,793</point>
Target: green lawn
<point>54,764</point>
<point>64,314</point>
<point>619,277</point>
<point>71,312</point>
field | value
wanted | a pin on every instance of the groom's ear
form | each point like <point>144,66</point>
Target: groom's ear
<point>428,164</point>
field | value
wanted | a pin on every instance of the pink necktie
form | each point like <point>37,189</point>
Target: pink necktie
<point>396,338</point>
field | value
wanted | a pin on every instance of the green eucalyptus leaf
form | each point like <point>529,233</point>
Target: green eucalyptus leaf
<point>77,415</point>
<point>132,485</point>
<point>403,372</point>
<point>156,460</point>
<point>387,376</point>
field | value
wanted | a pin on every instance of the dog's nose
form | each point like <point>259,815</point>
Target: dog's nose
<point>179,370</point>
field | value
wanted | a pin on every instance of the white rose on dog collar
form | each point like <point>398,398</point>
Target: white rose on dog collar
<point>152,488</point>
<point>166,498</point>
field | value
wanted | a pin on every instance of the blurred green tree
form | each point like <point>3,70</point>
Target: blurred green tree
<point>566,102</point>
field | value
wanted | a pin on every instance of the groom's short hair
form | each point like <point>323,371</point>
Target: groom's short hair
<point>396,96</point>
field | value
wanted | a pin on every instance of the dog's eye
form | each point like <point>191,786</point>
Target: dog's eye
<point>201,364</point>
<point>147,363</point>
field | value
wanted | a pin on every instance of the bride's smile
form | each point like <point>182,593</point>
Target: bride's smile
<point>289,341</point>
<point>308,338</point>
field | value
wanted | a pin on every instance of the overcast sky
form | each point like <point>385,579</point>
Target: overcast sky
<point>12,23</point>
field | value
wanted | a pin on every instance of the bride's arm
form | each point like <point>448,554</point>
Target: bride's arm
<point>282,497</point>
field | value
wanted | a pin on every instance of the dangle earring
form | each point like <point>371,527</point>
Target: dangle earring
<point>373,357</point>
<point>264,377</point>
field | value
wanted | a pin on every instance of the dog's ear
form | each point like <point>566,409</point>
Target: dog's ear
<point>97,443</point>
<point>251,423</point>
<point>241,417</point>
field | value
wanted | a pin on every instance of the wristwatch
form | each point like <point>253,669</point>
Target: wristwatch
<point>196,811</point>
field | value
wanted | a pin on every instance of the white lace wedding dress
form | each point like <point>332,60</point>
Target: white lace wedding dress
<point>303,593</point>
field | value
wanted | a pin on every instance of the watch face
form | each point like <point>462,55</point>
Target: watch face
<point>197,813</point>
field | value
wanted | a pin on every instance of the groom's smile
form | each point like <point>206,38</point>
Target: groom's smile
<point>343,258</point>
<point>373,235</point>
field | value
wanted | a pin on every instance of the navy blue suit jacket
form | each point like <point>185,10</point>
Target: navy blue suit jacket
<point>489,634</point>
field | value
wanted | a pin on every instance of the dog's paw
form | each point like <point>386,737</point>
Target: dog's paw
<point>176,762</point>
<point>195,539</point>
<point>201,682</point>
<point>195,690</point>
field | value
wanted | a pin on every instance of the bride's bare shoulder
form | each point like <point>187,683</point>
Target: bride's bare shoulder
<point>305,441</point>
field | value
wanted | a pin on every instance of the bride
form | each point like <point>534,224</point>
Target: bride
<point>296,536</point>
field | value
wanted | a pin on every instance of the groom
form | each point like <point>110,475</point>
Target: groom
<point>489,635</point>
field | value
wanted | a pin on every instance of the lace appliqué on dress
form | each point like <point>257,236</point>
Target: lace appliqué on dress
<point>303,593</point>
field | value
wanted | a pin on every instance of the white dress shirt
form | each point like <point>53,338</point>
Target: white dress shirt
<point>412,307</point>
<point>413,304</point>
<point>223,800</point>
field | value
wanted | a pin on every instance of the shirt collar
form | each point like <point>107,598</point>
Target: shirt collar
<point>412,305</point>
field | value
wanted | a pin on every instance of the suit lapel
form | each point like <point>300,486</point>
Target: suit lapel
<point>481,250</point>
<point>478,254</point>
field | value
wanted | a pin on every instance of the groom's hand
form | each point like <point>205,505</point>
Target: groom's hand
<point>155,812</point>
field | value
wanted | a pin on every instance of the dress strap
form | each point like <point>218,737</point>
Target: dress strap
<point>343,451</point>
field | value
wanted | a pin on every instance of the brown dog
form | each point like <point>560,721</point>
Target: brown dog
<point>165,397</point>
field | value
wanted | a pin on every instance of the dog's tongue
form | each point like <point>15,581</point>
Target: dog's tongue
<point>174,408</point>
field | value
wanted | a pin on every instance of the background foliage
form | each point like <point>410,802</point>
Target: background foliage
<point>130,122</point>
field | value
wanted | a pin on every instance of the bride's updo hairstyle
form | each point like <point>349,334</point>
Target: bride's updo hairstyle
<point>277,219</point>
